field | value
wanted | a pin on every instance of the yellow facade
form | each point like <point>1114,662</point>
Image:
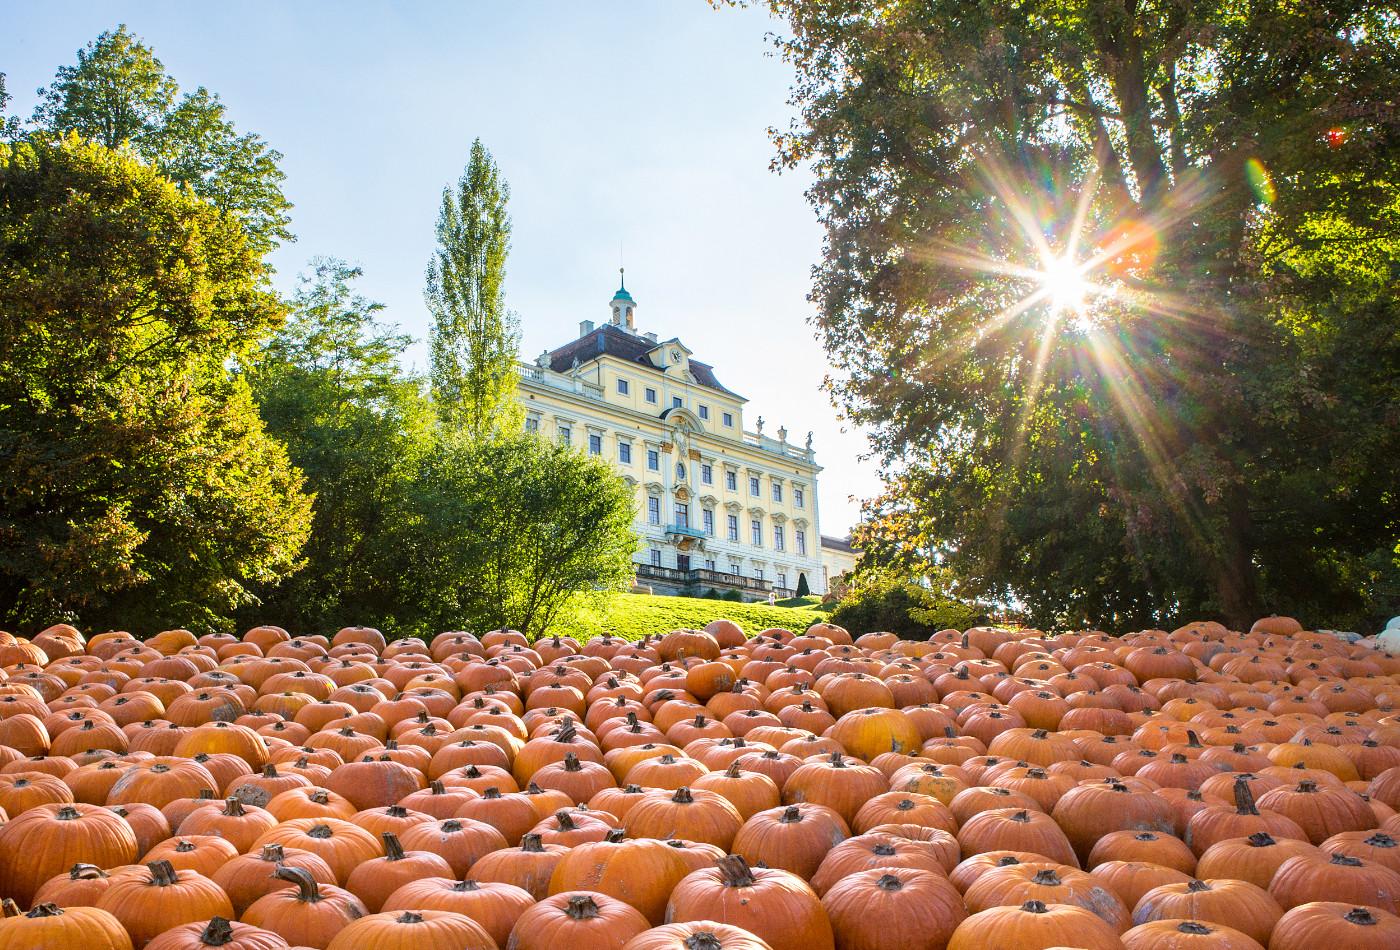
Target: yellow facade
<point>718,506</point>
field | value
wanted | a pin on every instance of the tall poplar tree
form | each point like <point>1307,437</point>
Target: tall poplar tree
<point>474,338</point>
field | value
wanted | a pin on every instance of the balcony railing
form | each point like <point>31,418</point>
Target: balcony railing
<point>700,577</point>
<point>685,530</point>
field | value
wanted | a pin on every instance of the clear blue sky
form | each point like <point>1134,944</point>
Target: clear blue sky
<point>639,123</point>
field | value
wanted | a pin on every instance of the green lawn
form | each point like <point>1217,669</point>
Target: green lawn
<point>633,616</point>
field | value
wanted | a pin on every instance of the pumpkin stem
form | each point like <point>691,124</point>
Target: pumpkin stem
<point>233,808</point>
<point>307,890</point>
<point>790,814</point>
<point>409,917</point>
<point>1345,860</point>
<point>571,763</point>
<point>320,831</point>
<point>466,884</point>
<point>1382,840</point>
<point>733,770</point>
<point>734,871</point>
<point>393,850</point>
<point>702,940</point>
<point>163,873</point>
<point>185,846</point>
<point>85,872</point>
<point>1035,907</point>
<point>683,796</point>
<point>1193,927</point>
<point>1196,886</point>
<point>568,733</point>
<point>46,909</point>
<point>492,792</point>
<point>269,771</point>
<point>532,843</point>
<point>888,882</point>
<point>581,907</point>
<point>1244,798</point>
<point>1047,877</point>
<point>1360,915</point>
<point>321,796</point>
<point>8,908</point>
<point>67,813</point>
<point>218,933</point>
<point>565,820</point>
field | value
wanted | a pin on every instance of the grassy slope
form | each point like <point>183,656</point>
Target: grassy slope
<point>633,616</point>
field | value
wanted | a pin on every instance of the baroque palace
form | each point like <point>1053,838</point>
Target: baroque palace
<point>719,507</point>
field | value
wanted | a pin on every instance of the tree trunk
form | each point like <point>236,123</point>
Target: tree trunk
<point>1236,579</point>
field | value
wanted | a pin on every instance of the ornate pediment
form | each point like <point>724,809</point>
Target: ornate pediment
<point>709,501</point>
<point>655,488</point>
<point>733,506</point>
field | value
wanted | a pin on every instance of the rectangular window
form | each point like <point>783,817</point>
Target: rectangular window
<point>729,419</point>
<point>655,557</point>
<point>734,568</point>
<point>653,460</point>
<point>682,515</point>
<point>707,474</point>
<point>704,411</point>
<point>565,435</point>
<point>532,424</point>
<point>758,573</point>
<point>709,519</point>
<point>651,395</point>
<point>801,542</point>
<point>731,481</point>
<point>753,487</point>
<point>732,524</point>
<point>595,444</point>
<point>677,401</point>
<point>756,530</point>
<point>782,579</point>
<point>624,453</point>
<point>653,510</point>
<point>624,388</point>
<point>709,565</point>
<point>778,491</point>
<point>779,537</point>
<point>799,497</point>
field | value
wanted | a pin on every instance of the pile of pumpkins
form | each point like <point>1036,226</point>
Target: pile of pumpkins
<point>700,790</point>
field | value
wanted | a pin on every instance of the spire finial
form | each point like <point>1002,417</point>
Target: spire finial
<point>622,276</point>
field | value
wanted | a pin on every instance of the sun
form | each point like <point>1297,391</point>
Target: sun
<point>1064,286</point>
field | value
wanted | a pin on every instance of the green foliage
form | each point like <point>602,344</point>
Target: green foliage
<point>9,125</point>
<point>1215,432</point>
<point>474,338</point>
<point>141,490</point>
<point>884,601</point>
<point>119,95</point>
<point>330,386</point>
<point>513,531</point>
<point>633,616</point>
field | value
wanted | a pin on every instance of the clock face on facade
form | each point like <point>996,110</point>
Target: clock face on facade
<point>676,356</point>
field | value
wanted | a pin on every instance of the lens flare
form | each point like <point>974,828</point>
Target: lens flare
<point>1064,285</point>
<point>1260,181</point>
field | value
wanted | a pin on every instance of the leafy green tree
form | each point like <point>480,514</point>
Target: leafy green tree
<point>140,488</point>
<point>1114,286</point>
<point>880,600</point>
<point>118,94</point>
<point>9,125</point>
<point>803,588</point>
<point>330,386</point>
<point>474,338</point>
<point>514,531</point>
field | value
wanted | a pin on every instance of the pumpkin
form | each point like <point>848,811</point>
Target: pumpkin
<point>792,837</point>
<point>80,887</point>
<point>204,854</point>
<point>881,908</point>
<point>773,904</point>
<point>49,839</point>
<point>865,852</point>
<point>1132,879</point>
<point>696,935</point>
<point>461,842</point>
<point>529,867</point>
<point>309,913</point>
<point>374,880</point>
<point>837,783</point>
<point>1090,811</point>
<point>1034,924</point>
<point>152,899</point>
<point>48,925</point>
<point>342,845</point>
<point>1187,935</point>
<point>1254,859</point>
<point>1147,846</point>
<point>495,906</point>
<point>641,872</point>
<point>1015,884</point>
<point>695,815</point>
<point>1321,877</point>
<point>218,932</point>
<point>1016,829</point>
<point>1246,907</point>
<point>1320,811</point>
<point>1336,924</point>
<point>414,930</point>
<point>579,920</point>
<point>1374,846</point>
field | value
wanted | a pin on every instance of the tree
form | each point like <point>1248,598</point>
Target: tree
<point>330,386</point>
<point>140,488</point>
<point>9,125</point>
<point>512,531</point>
<point>803,588</point>
<point>119,95</point>
<point>881,600</point>
<point>474,338</point>
<point>1114,287</point>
